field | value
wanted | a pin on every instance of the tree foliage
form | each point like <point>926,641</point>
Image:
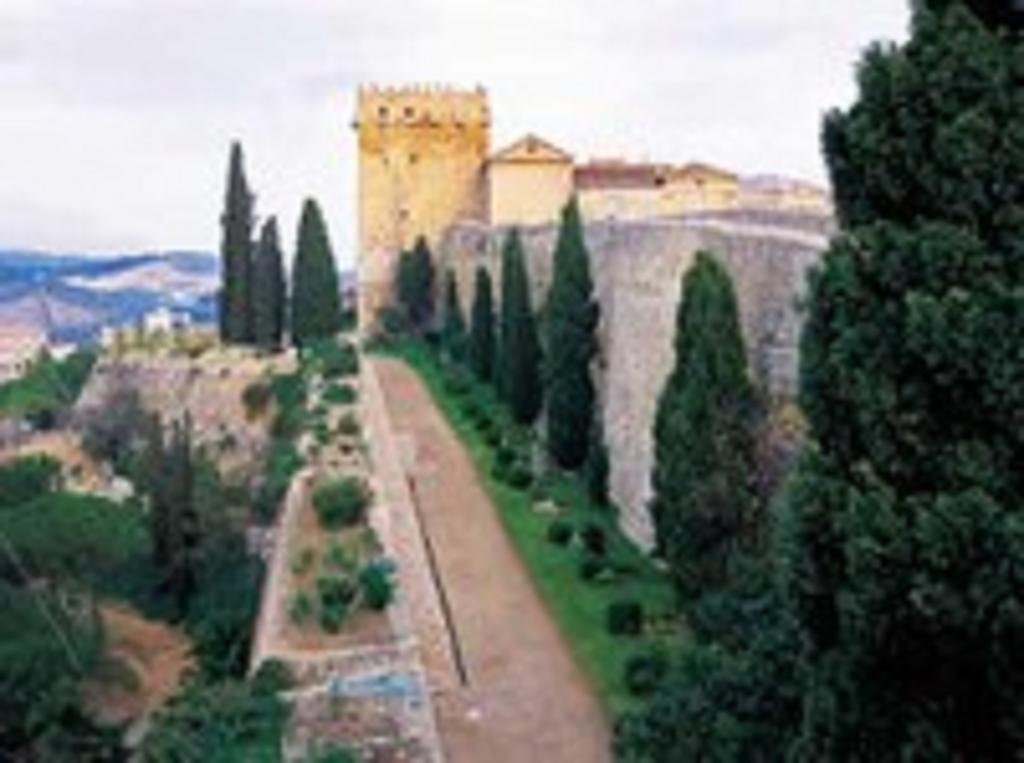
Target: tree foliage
<point>453,328</point>
<point>236,253</point>
<point>704,436</point>
<point>269,298</point>
<point>315,296</point>
<point>481,331</point>
<point>571,345</point>
<point>414,285</point>
<point>904,554</point>
<point>518,362</point>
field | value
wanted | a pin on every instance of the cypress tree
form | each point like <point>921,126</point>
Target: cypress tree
<point>268,291</point>
<point>703,436</point>
<point>184,522</point>
<point>903,548</point>
<point>481,332</point>
<point>571,345</point>
<point>453,331</point>
<point>405,285</point>
<point>316,301</point>
<point>518,363</point>
<point>421,306</point>
<point>236,253</point>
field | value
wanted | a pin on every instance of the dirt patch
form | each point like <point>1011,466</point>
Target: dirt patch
<point>142,667</point>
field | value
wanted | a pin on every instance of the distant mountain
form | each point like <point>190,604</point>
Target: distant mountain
<point>71,296</point>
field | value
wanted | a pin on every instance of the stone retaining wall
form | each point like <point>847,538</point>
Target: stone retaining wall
<point>637,269</point>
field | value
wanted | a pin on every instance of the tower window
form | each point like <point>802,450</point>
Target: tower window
<point>382,112</point>
<point>408,112</point>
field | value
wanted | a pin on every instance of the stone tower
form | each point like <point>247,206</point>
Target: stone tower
<point>422,152</point>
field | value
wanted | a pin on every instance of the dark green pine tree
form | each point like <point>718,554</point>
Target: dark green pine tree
<point>182,573</point>
<point>236,254</point>
<point>269,298</point>
<point>518,362</point>
<point>421,306</point>
<point>405,286</point>
<point>904,547</point>
<point>152,476</point>
<point>704,437</point>
<point>481,330</point>
<point>571,345</point>
<point>315,297</point>
<point>453,328</point>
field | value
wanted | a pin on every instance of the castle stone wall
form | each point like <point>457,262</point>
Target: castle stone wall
<point>637,269</point>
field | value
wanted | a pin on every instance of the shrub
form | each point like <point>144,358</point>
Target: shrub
<point>520,476</point>
<point>492,437</point>
<point>348,425</point>
<point>338,557</point>
<point>376,584</point>
<point>342,502</point>
<point>594,539</point>
<point>625,618</point>
<point>337,359</point>
<point>504,456</point>
<point>336,595</point>
<point>560,532</point>
<point>340,394</point>
<point>272,676</point>
<point>256,397</point>
<point>591,567</point>
<point>26,478</point>
<point>644,673</point>
<point>301,608</point>
<point>303,561</point>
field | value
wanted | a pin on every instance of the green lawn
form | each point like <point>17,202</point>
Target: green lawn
<point>578,606</point>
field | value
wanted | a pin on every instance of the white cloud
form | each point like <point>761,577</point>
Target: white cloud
<point>115,115</point>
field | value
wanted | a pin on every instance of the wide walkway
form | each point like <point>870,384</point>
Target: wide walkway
<point>521,697</point>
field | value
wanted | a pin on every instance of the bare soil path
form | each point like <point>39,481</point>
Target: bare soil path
<point>523,697</point>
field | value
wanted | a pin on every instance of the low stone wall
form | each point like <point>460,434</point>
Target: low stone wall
<point>637,269</point>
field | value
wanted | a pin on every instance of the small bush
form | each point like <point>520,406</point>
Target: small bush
<point>376,584</point>
<point>644,672</point>
<point>342,502</point>
<point>504,456</point>
<point>595,540</point>
<point>336,595</point>
<point>272,676</point>
<point>339,557</point>
<point>340,394</point>
<point>625,618</point>
<point>337,359</point>
<point>301,608</point>
<point>519,476</point>
<point>303,561</point>
<point>256,397</point>
<point>492,438</point>
<point>560,532</point>
<point>348,425</point>
<point>591,567</point>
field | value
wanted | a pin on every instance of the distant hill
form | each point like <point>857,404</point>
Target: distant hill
<point>71,296</point>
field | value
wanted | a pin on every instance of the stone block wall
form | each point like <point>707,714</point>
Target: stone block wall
<point>637,269</point>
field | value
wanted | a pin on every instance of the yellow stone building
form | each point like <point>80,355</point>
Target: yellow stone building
<point>425,163</point>
<point>528,182</point>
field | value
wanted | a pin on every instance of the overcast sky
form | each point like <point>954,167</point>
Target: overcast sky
<point>116,115</point>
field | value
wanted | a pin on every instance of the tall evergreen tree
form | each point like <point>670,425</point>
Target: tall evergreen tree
<point>269,300</point>
<point>236,253</point>
<point>481,331</point>
<point>703,436</point>
<point>421,307</point>
<point>182,573</point>
<point>518,363</point>
<point>405,286</point>
<point>571,345</point>
<point>453,329</point>
<point>315,297</point>
<point>904,549</point>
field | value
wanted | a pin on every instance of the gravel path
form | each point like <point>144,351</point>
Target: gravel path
<point>523,697</point>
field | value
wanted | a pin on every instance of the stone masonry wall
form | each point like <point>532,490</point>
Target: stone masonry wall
<point>637,269</point>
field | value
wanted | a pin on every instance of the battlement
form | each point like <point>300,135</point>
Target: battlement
<point>423,105</point>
